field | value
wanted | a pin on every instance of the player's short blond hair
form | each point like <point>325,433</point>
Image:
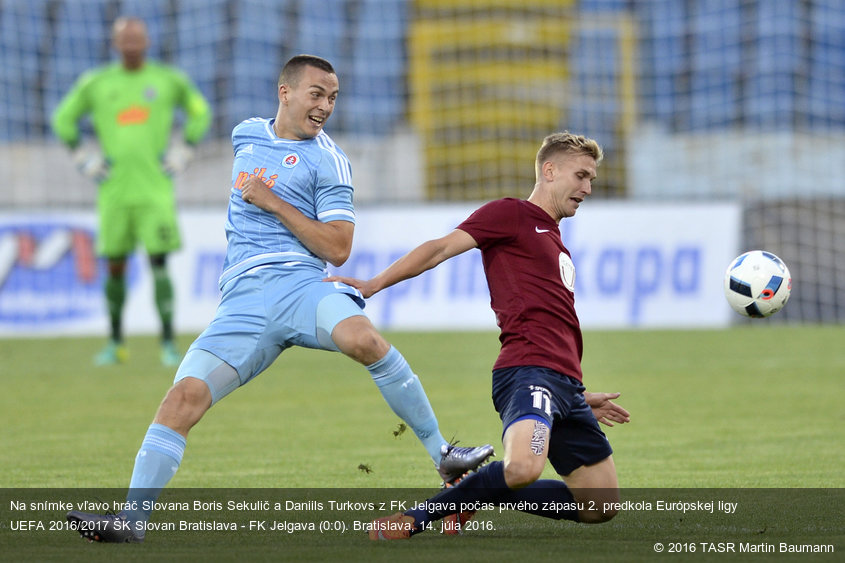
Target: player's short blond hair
<point>568,143</point>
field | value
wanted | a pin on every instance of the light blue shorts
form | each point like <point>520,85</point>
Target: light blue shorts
<point>262,313</point>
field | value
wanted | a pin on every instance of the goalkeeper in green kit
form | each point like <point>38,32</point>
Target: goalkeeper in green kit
<point>131,104</point>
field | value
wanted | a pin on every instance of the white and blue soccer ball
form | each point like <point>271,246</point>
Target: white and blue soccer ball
<point>757,284</point>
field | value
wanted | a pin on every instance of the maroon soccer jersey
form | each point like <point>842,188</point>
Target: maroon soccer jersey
<point>531,279</point>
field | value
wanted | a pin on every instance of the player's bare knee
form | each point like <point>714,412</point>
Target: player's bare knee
<point>184,404</point>
<point>600,504</point>
<point>365,346</point>
<point>601,513</point>
<point>117,267</point>
<point>521,473</point>
<point>609,513</point>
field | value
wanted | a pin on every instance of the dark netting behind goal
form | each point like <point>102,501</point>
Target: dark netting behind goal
<point>809,236</point>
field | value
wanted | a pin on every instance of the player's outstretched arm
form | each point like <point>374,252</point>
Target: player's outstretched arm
<point>330,241</point>
<point>424,257</point>
<point>606,411</point>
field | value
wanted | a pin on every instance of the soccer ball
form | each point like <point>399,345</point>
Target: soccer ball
<point>757,284</point>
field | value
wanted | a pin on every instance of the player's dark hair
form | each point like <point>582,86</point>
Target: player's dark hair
<point>293,68</point>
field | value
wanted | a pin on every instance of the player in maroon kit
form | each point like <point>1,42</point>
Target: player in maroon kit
<point>546,412</point>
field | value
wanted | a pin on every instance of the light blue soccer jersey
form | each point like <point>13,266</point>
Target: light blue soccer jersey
<point>312,175</point>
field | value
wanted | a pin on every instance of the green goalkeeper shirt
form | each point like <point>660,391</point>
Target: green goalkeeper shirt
<point>132,112</point>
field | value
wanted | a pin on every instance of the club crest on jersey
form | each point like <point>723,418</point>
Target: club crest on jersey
<point>567,271</point>
<point>290,160</point>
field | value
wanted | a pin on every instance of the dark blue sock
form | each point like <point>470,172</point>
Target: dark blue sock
<point>482,487</point>
<point>549,498</point>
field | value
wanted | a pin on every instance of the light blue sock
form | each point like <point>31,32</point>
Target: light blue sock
<point>402,390</point>
<point>156,463</point>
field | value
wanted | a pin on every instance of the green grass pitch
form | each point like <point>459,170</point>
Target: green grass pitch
<point>753,413</point>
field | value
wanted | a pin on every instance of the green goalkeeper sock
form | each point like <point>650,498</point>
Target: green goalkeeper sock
<point>115,290</point>
<point>164,301</point>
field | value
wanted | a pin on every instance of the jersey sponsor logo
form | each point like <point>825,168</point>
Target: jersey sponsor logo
<point>290,160</point>
<point>133,115</point>
<point>539,230</point>
<point>567,271</point>
<point>242,177</point>
<point>150,93</point>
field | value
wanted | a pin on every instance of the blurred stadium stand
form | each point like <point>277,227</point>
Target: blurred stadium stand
<point>447,99</point>
<point>701,64</point>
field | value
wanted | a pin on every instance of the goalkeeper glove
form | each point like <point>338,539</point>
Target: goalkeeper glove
<point>90,162</point>
<point>178,157</point>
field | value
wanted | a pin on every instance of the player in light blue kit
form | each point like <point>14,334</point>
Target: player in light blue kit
<point>290,212</point>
